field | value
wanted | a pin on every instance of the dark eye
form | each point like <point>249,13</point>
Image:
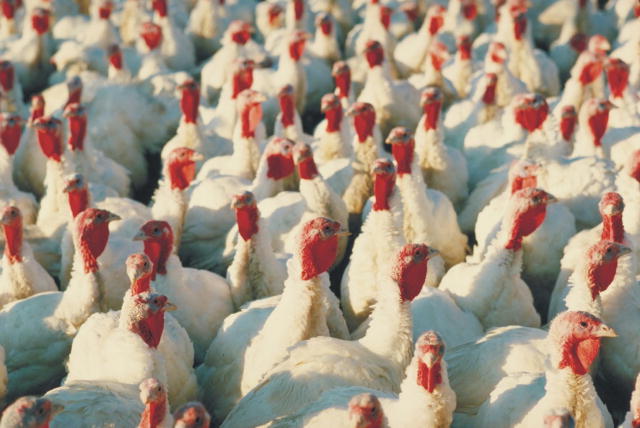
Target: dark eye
<point>159,389</point>
<point>41,410</point>
<point>100,216</point>
<point>609,250</point>
<point>583,324</point>
<point>198,420</point>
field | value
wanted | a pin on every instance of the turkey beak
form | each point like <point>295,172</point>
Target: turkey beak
<point>140,236</point>
<point>432,253</point>
<point>430,359</point>
<point>197,157</point>
<point>351,111</point>
<point>605,331</point>
<point>259,97</point>
<point>551,199</point>
<point>623,250</point>
<point>343,232</point>
<point>113,217</point>
<point>168,307</point>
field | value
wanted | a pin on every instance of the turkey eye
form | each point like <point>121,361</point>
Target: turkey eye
<point>198,420</point>
<point>583,324</point>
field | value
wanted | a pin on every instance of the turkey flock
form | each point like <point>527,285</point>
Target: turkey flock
<point>320,213</point>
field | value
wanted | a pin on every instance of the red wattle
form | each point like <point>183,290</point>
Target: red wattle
<point>247,221</point>
<point>618,78</point>
<point>115,60</point>
<point>431,115</point>
<point>141,285</point>
<point>334,119</point>
<point>296,49</point>
<point>382,190</point>
<point>590,72</point>
<point>181,174</point>
<point>7,74</point>
<point>579,355</point>
<point>241,37</point>
<point>40,23</point>
<point>77,132</point>
<point>160,6</point>
<point>567,127</point>
<point>410,279</point>
<point>279,166</point>
<point>343,84</point>
<point>189,104</point>
<point>298,8</point>
<point>524,224</point>
<point>307,169</point>
<point>287,108</point>
<point>78,201</point>
<point>13,241</point>
<point>317,257</point>
<point>429,378</point>
<point>598,125</point>
<point>374,57</point>
<point>363,124</point>
<point>403,154</point>
<point>50,145</point>
<point>10,137</point>
<point>242,80</point>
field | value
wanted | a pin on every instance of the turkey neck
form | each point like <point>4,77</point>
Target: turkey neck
<point>170,205</point>
<point>390,332</point>
<point>154,414</point>
<point>299,315</point>
<point>429,147</point>
<point>84,294</point>
<point>291,72</point>
<point>417,206</point>
<point>253,273</point>
<point>246,153</point>
<point>54,202</point>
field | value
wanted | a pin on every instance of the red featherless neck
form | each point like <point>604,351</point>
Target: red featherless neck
<point>104,11</point>
<point>78,200</point>
<point>469,10</point>
<point>568,122</point>
<point>520,182</point>
<point>598,122</point>
<point>438,55</point>
<point>590,72</point>
<point>602,265</point>
<point>611,209</point>
<point>158,244</point>
<point>92,229</point>
<point>141,285</point>
<point>432,106</point>
<point>190,101</point>
<point>160,7</point>
<point>429,377</point>
<point>40,21</point>
<point>242,79</point>
<point>528,209</point>
<point>10,132</point>
<point>49,137</point>
<point>8,9</point>
<point>279,166</point>
<point>181,168</point>
<point>247,221</point>
<point>307,169</point>
<point>364,122</point>
<point>634,166</point>
<point>383,184</point>
<point>150,328</point>
<point>429,352</point>
<point>436,20</point>
<point>318,246</point>
<point>274,12</point>
<point>139,269</point>
<point>374,53</point>
<point>7,75</point>
<point>385,16</point>
<point>334,117</point>
<point>296,47</point>
<point>464,48</point>
<point>37,107</point>
<point>403,154</point>
<point>298,9</point>
<point>579,354</point>
<point>12,228</point>
<point>152,35</point>
<point>154,411</point>
<point>241,37</point>
<point>617,76</point>
<point>77,131</point>
<point>342,79</point>
<point>287,106</point>
<point>489,95</point>
<point>519,25</point>
<point>410,270</point>
<point>250,117</point>
<point>326,25</point>
<point>115,57</point>
<point>531,113</point>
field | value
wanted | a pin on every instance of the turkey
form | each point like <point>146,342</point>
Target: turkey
<point>492,288</point>
<point>425,398</point>
<point>228,367</point>
<point>633,415</point>
<point>314,366</point>
<point>49,321</point>
<point>21,276</point>
<point>11,90</point>
<point>29,412</point>
<point>622,95</point>
<point>191,415</point>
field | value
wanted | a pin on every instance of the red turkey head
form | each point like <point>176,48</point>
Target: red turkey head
<point>365,411</point>
<point>402,148</point>
<point>104,9</point>
<point>49,132</point>
<point>148,320</point>
<point>297,42</point>
<point>160,7</point>
<point>279,157</point>
<point>469,9</point>
<point>464,47</point>
<point>611,207</point>
<point>74,90</point>
<point>601,265</point>
<point>364,120</point>
<point>275,15</point>
<point>617,76</point>
<point>298,9</point>
<point>599,45</point>
<point>77,117</point>
<point>154,397</point>
<point>438,54</point>
<point>189,100</point>
<point>303,157</point>
<point>411,10</point>
<point>242,75</point>
<point>92,234</point>
<point>342,77</point>
<point>37,107</point>
<point>578,42</point>
<point>410,269</point>
<point>526,211</point>
<point>157,237</point>
<point>575,336</point>
<point>30,412</point>
<point>287,102</point>
<point>332,108</point>
<point>374,53</point>
<point>240,32</point>
<point>7,75</point>
<point>431,100</point>
<point>519,24</point>
<point>192,415</point>
<point>151,34</point>
<point>429,352</point>
<point>247,214</point>
<point>249,104</point>
<point>8,9</point>
<point>568,121</point>
<point>435,18</point>
<point>115,56</point>
<point>497,52</point>
<point>384,181</point>
<point>325,23</point>
<point>10,131</point>
<point>596,112</point>
<point>531,111</point>
<point>40,20</point>
<point>385,16</point>
<point>318,246</point>
<point>181,167</point>
<point>77,192</point>
<point>11,221</point>
<point>522,175</point>
<point>139,270</point>
<point>489,95</point>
